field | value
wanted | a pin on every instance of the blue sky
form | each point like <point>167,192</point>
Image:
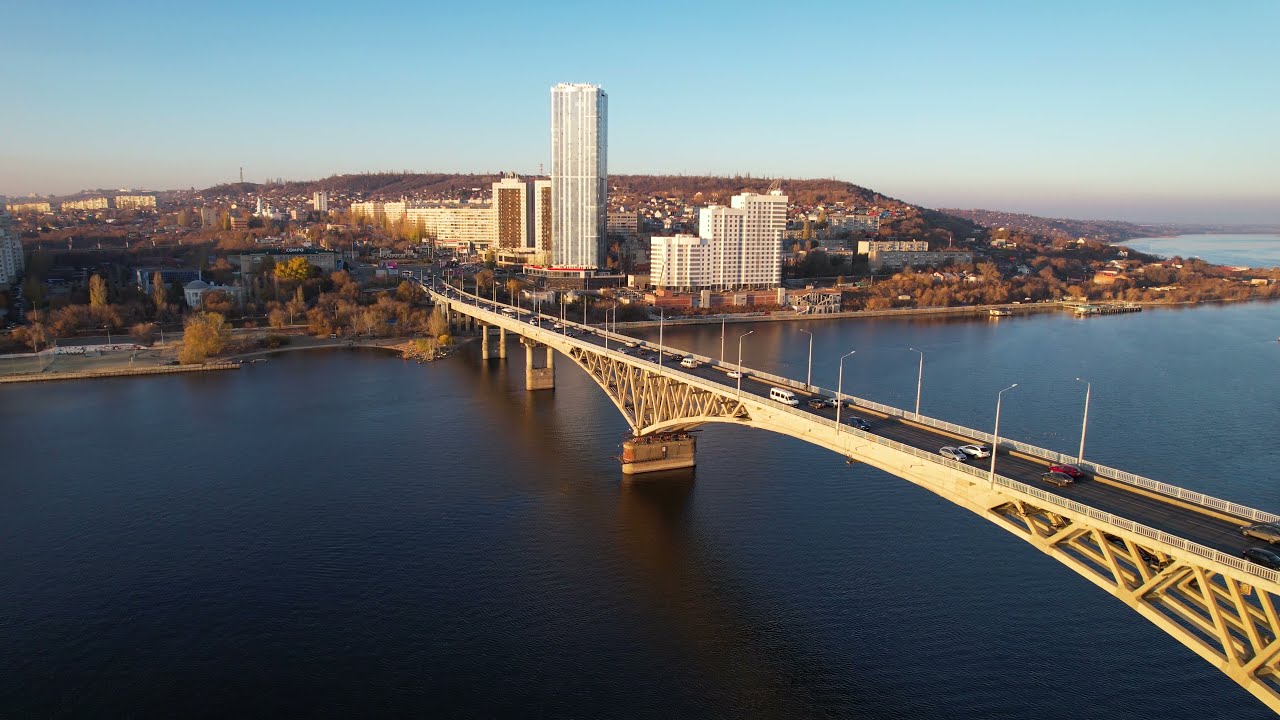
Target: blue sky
<point>1134,110</point>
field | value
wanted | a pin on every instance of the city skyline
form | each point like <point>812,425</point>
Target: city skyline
<point>1087,111</point>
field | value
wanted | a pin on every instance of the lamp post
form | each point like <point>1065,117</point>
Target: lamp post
<point>1088,389</point>
<point>662,313</point>
<point>740,338</point>
<point>808,379</point>
<point>722,319</point>
<point>108,329</point>
<point>995,445</point>
<point>840,387</point>
<point>919,380</point>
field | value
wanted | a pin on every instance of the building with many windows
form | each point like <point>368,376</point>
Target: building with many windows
<point>30,207</point>
<point>623,222</point>
<point>579,175</point>
<point>898,259</point>
<point>320,201</point>
<point>98,203</point>
<point>737,247</point>
<point>542,216</point>
<point>135,202</point>
<point>12,261</point>
<point>866,247</point>
<point>513,211</point>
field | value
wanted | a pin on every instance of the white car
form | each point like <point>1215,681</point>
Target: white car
<point>952,453</point>
<point>976,451</point>
<point>734,374</point>
<point>689,362</point>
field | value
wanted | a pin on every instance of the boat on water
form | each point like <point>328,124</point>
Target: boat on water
<point>999,312</point>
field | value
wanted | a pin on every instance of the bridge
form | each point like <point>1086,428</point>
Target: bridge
<point>1170,554</point>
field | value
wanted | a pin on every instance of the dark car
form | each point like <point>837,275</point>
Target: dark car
<point>1057,478</point>
<point>1065,469</point>
<point>1264,556</point>
<point>860,423</point>
<point>1263,531</point>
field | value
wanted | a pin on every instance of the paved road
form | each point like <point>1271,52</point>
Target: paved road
<point>1122,500</point>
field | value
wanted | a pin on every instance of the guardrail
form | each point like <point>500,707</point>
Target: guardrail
<point>1243,512</point>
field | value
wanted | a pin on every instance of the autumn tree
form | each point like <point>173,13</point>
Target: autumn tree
<point>35,333</point>
<point>97,292</point>
<point>206,334</point>
<point>297,269</point>
<point>159,295</point>
<point>438,326</point>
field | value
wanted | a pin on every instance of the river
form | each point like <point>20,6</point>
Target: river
<point>343,533</point>
<point>1235,250</point>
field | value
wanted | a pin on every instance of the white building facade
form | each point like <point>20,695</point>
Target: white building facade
<point>11,259</point>
<point>737,247</point>
<point>579,175</point>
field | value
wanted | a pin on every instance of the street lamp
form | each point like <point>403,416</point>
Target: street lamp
<point>1088,388</point>
<point>108,329</point>
<point>808,380</point>
<point>919,380</point>
<point>740,338</point>
<point>661,348</point>
<point>840,387</point>
<point>722,319</point>
<point>995,445</point>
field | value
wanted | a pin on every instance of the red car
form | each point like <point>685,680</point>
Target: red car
<point>1071,470</point>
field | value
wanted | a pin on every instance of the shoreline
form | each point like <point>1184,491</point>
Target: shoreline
<point>972,310</point>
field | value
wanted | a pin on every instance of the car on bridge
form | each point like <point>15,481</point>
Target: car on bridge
<point>689,362</point>
<point>1065,469</point>
<point>1263,531</point>
<point>976,451</point>
<point>862,425</point>
<point>1057,478</point>
<point>735,374</point>
<point>1264,556</point>
<point>953,453</point>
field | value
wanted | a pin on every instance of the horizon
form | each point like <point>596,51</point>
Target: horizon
<point>1107,113</point>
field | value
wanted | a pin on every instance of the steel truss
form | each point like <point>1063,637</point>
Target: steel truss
<point>1230,623</point>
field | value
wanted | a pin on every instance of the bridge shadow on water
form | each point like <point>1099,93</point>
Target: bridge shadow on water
<point>695,618</point>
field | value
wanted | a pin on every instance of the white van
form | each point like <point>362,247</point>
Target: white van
<point>786,397</point>
<point>689,362</point>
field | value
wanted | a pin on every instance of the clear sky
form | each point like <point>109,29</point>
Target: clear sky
<point>1119,109</point>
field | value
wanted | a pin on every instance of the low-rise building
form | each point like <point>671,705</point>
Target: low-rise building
<point>623,222</point>
<point>195,291</point>
<point>896,260</point>
<point>866,247</point>
<point>326,260</point>
<point>142,276</point>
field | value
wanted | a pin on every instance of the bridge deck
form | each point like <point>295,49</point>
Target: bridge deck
<point>1213,529</point>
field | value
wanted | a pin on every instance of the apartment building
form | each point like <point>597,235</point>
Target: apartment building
<point>739,246</point>
<point>29,207</point>
<point>135,202</point>
<point>513,213</point>
<point>866,247</point>
<point>98,203</point>
<point>623,223</point>
<point>542,216</point>
<point>12,261</point>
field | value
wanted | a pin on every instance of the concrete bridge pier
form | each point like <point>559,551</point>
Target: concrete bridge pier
<point>488,351</point>
<point>657,452</point>
<point>538,378</point>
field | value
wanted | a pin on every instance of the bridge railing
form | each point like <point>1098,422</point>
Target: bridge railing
<point>1191,496</point>
<point>1102,516</point>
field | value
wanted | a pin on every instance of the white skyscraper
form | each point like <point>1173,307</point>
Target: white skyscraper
<point>579,175</point>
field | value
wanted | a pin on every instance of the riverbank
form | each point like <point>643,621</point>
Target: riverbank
<point>121,372</point>
<point>976,311</point>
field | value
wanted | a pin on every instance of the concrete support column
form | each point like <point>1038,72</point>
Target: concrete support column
<point>537,378</point>
<point>502,343</point>
<point>657,452</point>
<point>484,342</point>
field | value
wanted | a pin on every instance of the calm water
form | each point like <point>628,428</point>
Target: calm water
<point>346,534</point>
<point>1234,250</point>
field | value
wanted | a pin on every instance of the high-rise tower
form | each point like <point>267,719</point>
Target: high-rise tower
<point>579,174</point>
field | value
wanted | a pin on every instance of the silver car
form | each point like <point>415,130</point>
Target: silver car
<point>976,451</point>
<point>953,454</point>
<point>1263,531</point>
